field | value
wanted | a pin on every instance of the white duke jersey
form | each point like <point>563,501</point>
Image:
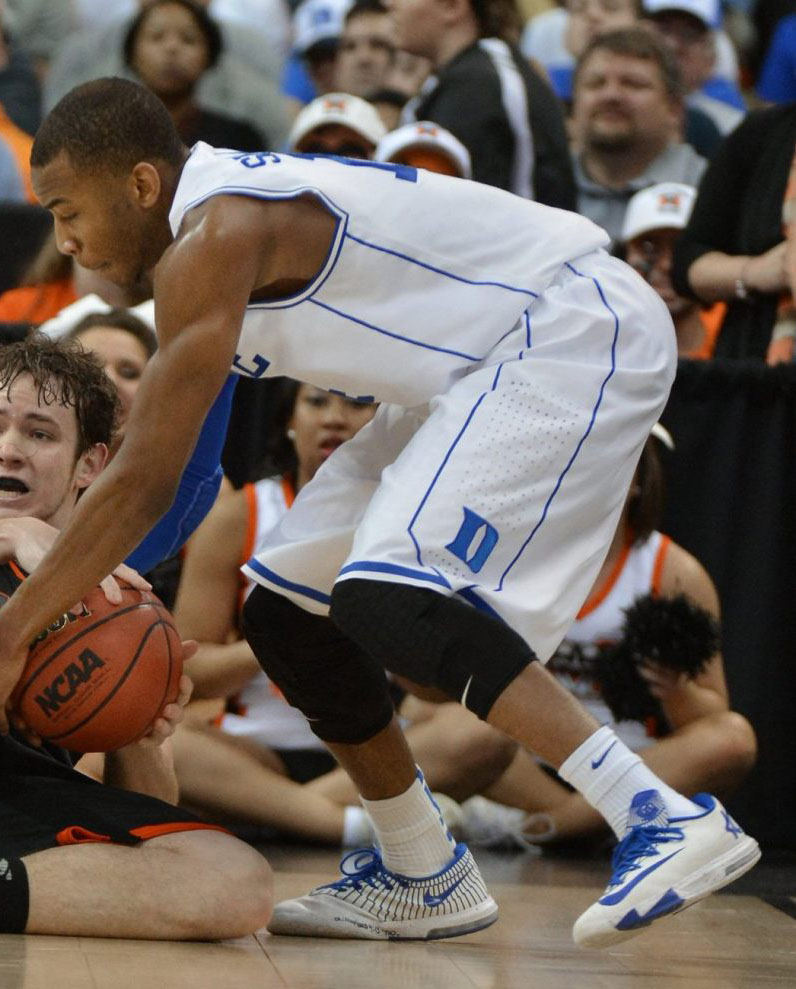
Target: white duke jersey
<point>425,274</point>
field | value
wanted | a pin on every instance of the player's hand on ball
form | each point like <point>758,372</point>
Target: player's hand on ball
<point>172,714</point>
<point>132,577</point>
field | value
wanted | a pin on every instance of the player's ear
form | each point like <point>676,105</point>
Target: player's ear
<point>90,464</point>
<point>145,184</point>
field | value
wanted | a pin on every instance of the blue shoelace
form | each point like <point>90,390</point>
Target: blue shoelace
<point>364,866</point>
<point>640,843</point>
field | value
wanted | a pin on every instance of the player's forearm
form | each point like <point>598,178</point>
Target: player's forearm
<point>145,769</point>
<point>221,670</point>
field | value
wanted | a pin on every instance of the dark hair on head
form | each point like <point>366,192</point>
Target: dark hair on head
<point>204,22</point>
<point>639,41</point>
<point>108,124</point>
<point>280,454</point>
<point>117,319</point>
<point>645,509</point>
<point>65,374</point>
<point>364,7</point>
<point>498,19</point>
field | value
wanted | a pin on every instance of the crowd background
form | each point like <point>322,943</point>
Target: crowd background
<point>671,123</point>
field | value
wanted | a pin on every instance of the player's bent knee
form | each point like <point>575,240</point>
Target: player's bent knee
<point>432,639</point>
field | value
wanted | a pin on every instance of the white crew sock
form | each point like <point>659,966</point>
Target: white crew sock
<point>613,779</point>
<point>412,836</point>
<point>357,827</point>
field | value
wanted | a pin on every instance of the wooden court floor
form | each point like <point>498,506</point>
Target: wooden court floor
<point>738,940</point>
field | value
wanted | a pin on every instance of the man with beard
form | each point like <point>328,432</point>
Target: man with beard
<point>627,124</point>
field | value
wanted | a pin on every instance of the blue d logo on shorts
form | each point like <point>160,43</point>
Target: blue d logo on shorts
<point>475,537</point>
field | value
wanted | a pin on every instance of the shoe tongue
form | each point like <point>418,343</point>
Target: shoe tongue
<point>647,809</point>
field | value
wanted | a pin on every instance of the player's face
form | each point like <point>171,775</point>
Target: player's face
<point>170,52</point>
<point>123,357</point>
<point>620,102</point>
<point>322,422</point>
<point>365,54</point>
<point>106,222</point>
<point>40,473</point>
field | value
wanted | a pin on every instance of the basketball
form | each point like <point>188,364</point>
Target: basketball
<point>96,681</point>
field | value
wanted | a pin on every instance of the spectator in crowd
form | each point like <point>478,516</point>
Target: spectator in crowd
<point>426,145</point>
<point>39,26</point>
<point>367,49</point>
<point>556,38</point>
<point>777,80</point>
<point>405,76</point>
<point>626,124</point>
<point>484,92</point>
<point>19,144</point>
<point>75,850</point>
<point>740,243</point>
<point>238,85</point>
<point>653,221</point>
<point>11,184</point>
<point>337,124</point>
<point>696,741</point>
<point>169,46</point>
<point>20,93</point>
<point>688,26</point>
<point>310,70</point>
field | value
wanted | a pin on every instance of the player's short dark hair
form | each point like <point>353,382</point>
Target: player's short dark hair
<point>642,42</point>
<point>364,7</point>
<point>205,23</point>
<point>66,374</point>
<point>108,124</point>
<point>117,319</point>
<point>645,509</point>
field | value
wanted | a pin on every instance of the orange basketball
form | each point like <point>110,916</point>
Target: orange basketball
<point>96,681</point>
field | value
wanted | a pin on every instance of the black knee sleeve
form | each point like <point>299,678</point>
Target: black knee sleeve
<point>14,896</point>
<point>432,639</point>
<point>340,690</point>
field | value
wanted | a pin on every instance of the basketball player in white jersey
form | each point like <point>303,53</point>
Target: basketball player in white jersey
<point>454,538</point>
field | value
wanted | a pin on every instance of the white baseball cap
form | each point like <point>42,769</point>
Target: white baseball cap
<point>707,11</point>
<point>338,108</point>
<point>429,136</point>
<point>315,21</point>
<point>665,205</point>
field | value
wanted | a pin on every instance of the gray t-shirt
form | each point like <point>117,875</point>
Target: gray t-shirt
<point>606,207</point>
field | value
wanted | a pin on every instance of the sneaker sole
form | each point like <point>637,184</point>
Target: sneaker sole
<point>361,926</point>
<point>716,874</point>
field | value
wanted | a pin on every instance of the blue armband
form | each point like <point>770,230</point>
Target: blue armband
<point>198,488</point>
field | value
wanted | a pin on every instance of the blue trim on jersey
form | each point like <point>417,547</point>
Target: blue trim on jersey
<point>332,255</point>
<point>396,336</point>
<point>289,585</point>
<point>527,330</point>
<point>375,567</point>
<point>441,271</point>
<point>582,440</point>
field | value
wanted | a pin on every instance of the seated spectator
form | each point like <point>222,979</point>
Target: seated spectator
<point>695,741</point>
<point>169,46</point>
<point>484,91</point>
<point>235,86</point>
<point>19,144</point>
<point>20,93</point>
<point>777,80</point>
<point>739,244</point>
<point>366,50</point>
<point>75,849</point>
<point>426,145</point>
<point>653,221</point>
<point>688,26</point>
<point>626,121</point>
<point>337,124</point>
<point>12,187</point>
<point>310,70</point>
<point>403,80</point>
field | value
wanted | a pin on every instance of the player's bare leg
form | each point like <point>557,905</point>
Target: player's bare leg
<point>195,885</point>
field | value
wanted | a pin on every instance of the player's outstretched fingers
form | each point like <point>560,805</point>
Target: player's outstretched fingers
<point>131,577</point>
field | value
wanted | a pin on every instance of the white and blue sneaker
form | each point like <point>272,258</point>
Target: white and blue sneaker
<point>663,865</point>
<point>370,902</point>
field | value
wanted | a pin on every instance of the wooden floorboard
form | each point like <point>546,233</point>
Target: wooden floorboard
<point>730,941</point>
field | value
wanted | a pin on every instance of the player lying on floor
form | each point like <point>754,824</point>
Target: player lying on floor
<point>77,856</point>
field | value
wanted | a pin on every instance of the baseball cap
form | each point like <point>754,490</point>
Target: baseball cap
<point>665,205</point>
<point>316,21</point>
<point>426,136</point>
<point>338,108</point>
<point>707,11</point>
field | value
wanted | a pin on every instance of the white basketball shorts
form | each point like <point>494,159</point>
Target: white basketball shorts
<point>505,491</point>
